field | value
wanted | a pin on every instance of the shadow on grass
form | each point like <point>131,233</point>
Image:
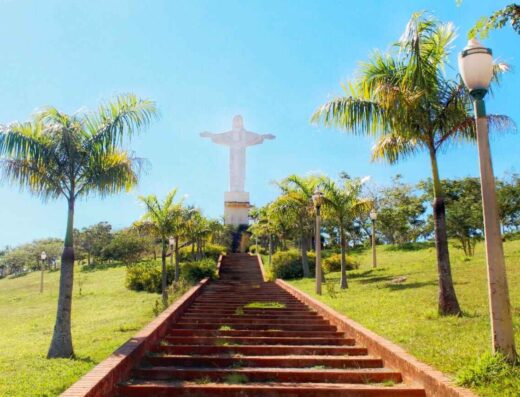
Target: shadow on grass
<point>376,279</point>
<point>411,246</point>
<point>100,266</point>
<point>403,286</point>
<point>87,359</point>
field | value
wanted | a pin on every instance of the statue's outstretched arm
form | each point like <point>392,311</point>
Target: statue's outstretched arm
<point>256,139</point>
<point>221,139</point>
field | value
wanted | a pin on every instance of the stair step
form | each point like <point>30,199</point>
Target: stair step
<point>367,375</point>
<point>239,332</point>
<point>262,326</point>
<point>256,340</point>
<point>189,389</point>
<point>264,350</point>
<point>285,361</point>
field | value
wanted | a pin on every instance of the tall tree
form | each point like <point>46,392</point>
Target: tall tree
<point>342,203</point>
<point>296,201</point>
<point>497,20</point>
<point>163,217</point>
<point>404,99</point>
<point>59,155</point>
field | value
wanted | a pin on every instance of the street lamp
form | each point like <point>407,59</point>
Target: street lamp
<point>171,242</point>
<point>43,257</point>
<point>317,199</point>
<point>476,69</point>
<point>373,217</point>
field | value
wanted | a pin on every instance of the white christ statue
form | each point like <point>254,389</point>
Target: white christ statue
<point>237,139</point>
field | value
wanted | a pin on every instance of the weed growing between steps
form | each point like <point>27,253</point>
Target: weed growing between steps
<point>225,328</point>
<point>265,305</point>
<point>236,379</point>
<point>203,380</point>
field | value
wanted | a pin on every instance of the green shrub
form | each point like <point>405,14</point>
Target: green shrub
<point>288,264</point>
<point>196,271</point>
<point>211,251</point>
<point>333,263</point>
<point>484,370</point>
<point>125,247</point>
<point>146,276</point>
<point>258,249</point>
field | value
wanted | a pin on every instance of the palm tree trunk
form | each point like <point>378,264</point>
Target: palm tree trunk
<point>164,286</point>
<point>61,344</point>
<point>177,260</point>
<point>448,303</point>
<point>343,282</point>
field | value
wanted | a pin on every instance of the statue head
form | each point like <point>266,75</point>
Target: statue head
<point>238,122</point>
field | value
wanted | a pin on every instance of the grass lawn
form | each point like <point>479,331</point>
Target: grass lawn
<point>103,317</point>
<point>406,313</point>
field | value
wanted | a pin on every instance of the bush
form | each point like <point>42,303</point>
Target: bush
<point>125,247</point>
<point>146,276</point>
<point>258,249</point>
<point>211,251</point>
<point>196,271</point>
<point>288,264</point>
<point>484,370</point>
<point>333,263</point>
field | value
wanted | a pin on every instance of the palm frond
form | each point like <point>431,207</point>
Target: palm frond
<point>394,147</point>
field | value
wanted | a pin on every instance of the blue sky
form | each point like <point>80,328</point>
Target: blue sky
<point>273,62</point>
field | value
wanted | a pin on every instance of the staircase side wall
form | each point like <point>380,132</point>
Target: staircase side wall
<point>104,378</point>
<point>435,383</point>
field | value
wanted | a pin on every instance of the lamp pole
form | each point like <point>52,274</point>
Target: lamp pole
<point>373,217</point>
<point>476,68</point>
<point>171,242</point>
<point>317,198</point>
<point>43,257</point>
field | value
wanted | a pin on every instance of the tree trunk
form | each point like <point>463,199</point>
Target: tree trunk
<point>448,303</point>
<point>88,258</point>
<point>164,286</point>
<point>61,343</point>
<point>343,282</point>
<point>304,249</point>
<point>177,260</point>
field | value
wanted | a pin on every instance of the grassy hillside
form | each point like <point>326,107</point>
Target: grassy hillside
<point>103,317</point>
<point>406,314</point>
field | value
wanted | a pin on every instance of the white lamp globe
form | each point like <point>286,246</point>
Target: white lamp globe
<point>476,66</point>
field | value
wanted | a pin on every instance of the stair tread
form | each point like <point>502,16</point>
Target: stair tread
<point>252,385</point>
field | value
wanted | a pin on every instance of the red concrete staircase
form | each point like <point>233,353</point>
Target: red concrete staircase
<point>246,337</point>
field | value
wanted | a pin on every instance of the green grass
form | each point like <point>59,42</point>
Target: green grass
<point>265,305</point>
<point>105,316</point>
<point>406,312</point>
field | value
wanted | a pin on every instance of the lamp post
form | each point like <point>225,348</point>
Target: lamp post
<point>373,217</point>
<point>476,69</point>
<point>43,257</point>
<point>317,199</point>
<point>171,242</point>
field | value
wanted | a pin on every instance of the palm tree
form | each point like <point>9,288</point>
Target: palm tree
<point>405,100</point>
<point>71,156</point>
<point>164,218</point>
<point>341,204</point>
<point>296,200</point>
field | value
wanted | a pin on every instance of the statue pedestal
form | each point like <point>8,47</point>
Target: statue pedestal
<point>236,208</point>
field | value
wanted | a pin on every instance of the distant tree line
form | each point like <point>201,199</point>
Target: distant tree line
<point>99,244</point>
<point>404,213</point>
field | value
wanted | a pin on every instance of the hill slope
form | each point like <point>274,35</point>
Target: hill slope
<point>104,316</point>
<point>405,313</point>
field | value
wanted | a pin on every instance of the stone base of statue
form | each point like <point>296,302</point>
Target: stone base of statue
<point>236,208</point>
